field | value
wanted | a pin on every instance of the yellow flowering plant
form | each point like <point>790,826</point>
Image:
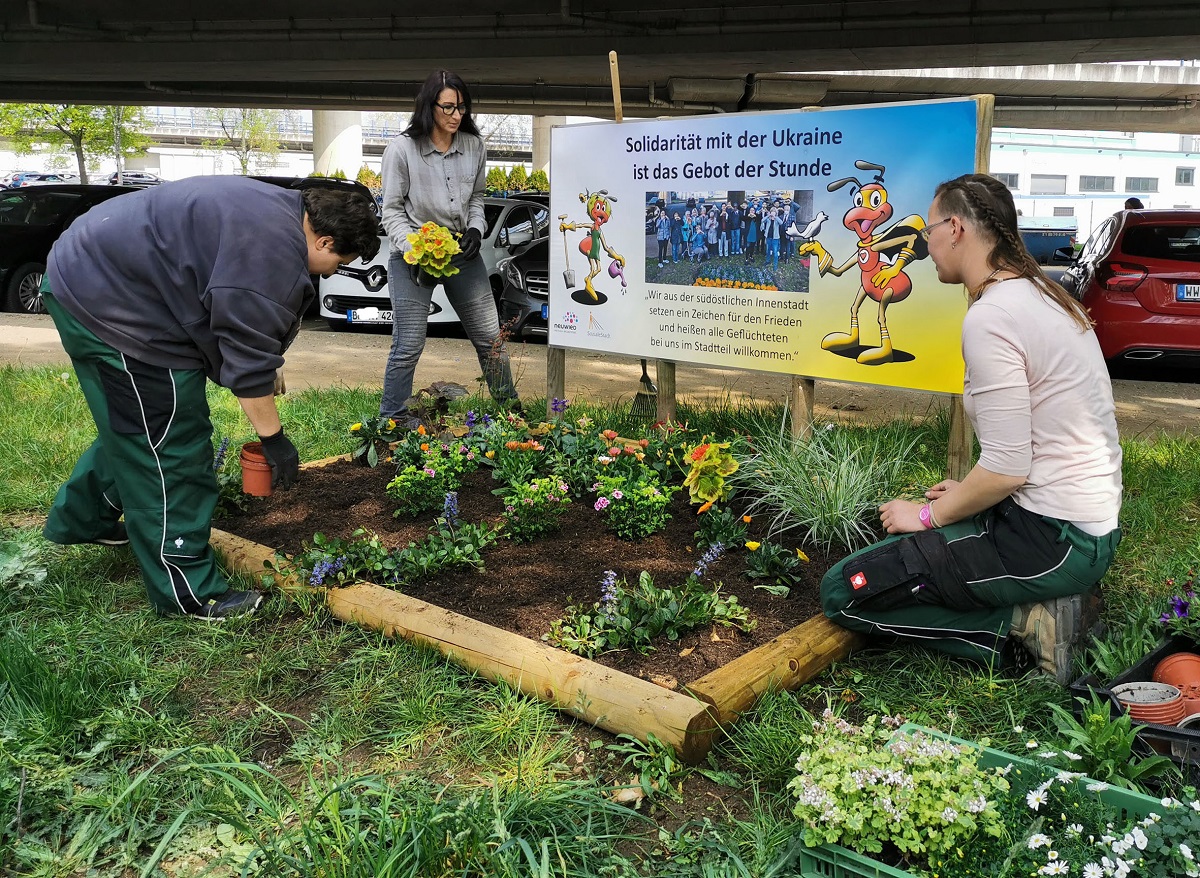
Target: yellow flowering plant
<point>371,433</point>
<point>432,248</point>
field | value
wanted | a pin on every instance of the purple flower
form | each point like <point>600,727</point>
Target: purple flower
<point>608,593</point>
<point>430,471</point>
<point>558,406</point>
<point>617,495</point>
<point>715,551</point>
<point>324,567</point>
<point>471,420</point>
<point>601,503</point>
<point>450,508</point>
<point>219,459</point>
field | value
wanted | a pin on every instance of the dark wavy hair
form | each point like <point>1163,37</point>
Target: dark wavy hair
<point>988,205</point>
<point>347,217</point>
<point>421,123</point>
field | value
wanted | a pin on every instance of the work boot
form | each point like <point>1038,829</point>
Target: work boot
<point>1049,630</point>
<point>115,537</point>
<point>230,605</point>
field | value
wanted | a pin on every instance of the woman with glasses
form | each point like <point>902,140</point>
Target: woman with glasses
<point>985,568</point>
<point>434,172</point>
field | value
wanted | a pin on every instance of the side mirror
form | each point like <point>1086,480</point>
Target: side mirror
<point>1064,254</point>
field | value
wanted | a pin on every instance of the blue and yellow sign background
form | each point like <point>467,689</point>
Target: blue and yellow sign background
<point>603,172</point>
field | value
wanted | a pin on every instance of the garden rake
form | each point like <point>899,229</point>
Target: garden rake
<point>568,272</point>
<point>645,401</point>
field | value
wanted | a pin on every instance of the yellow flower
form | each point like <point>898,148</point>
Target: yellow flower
<point>752,546</point>
<point>746,519</point>
<point>489,454</point>
<point>354,428</point>
<point>801,555</point>
<point>391,424</point>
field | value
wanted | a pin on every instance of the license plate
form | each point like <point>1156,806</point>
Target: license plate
<point>1187,292</point>
<point>545,312</point>
<point>369,315</point>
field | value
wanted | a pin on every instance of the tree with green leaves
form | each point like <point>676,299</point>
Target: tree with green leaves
<point>88,133</point>
<point>518,179</point>
<point>496,179</point>
<point>539,181</point>
<point>252,135</point>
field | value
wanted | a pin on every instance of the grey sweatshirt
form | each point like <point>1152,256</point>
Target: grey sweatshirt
<point>205,273</point>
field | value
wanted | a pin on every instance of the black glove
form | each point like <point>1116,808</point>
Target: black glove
<point>284,459</point>
<point>469,243</point>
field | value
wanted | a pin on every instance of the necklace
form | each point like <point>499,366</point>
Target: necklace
<point>987,280</point>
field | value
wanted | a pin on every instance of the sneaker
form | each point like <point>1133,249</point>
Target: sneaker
<point>115,537</point>
<point>231,605</point>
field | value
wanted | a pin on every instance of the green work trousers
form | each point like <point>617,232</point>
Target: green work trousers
<point>152,461</point>
<point>954,588</point>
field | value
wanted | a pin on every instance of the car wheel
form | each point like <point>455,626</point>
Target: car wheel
<point>24,294</point>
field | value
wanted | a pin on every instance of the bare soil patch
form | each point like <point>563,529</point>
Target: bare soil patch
<point>526,586</point>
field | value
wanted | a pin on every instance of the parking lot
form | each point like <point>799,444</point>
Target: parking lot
<point>1147,401</point>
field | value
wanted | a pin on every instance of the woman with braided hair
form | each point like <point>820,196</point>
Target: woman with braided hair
<point>985,568</point>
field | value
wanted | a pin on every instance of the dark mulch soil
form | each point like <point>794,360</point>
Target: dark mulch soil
<point>527,585</point>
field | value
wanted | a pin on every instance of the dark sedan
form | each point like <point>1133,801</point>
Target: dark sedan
<point>525,300</point>
<point>31,220</point>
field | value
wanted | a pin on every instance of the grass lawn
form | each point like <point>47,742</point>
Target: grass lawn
<point>292,744</point>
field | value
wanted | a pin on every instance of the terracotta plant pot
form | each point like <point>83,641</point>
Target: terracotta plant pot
<point>1182,670</point>
<point>1151,702</point>
<point>256,472</point>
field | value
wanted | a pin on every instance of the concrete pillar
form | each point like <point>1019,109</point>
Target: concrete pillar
<point>541,140</point>
<point>337,142</point>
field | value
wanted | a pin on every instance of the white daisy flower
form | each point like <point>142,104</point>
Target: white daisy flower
<point>1100,787</point>
<point>1035,799</point>
<point>1075,829</point>
<point>1092,870</point>
<point>1186,851</point>
<point>1038,840</point>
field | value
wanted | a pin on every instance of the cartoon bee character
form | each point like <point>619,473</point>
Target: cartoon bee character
<point>881,257</point>
<point>599,211</point>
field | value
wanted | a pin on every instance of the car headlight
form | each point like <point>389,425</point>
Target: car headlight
<point>512,274</point>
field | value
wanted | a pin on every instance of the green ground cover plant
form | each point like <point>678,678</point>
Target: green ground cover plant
<point>294,744</point>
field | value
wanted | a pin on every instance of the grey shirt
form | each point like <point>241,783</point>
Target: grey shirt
<point>421,185</point>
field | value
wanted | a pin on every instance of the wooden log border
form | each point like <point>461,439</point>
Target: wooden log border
<point>689,720</point>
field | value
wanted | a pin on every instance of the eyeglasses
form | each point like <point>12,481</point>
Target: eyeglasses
<point>451,109</point>
<point>925,231</point>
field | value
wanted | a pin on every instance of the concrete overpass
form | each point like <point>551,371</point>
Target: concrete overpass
<point>676,58</point>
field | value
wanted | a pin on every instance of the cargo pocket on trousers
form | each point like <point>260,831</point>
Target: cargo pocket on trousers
<point>140,398</point>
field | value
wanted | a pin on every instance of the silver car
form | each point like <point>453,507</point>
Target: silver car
<point>357,295</point>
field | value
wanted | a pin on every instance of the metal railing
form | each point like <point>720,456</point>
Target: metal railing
<point>185,122</point>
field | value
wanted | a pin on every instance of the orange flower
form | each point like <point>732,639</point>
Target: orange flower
<point>421,430</point>
<point>700,451</point>
<point>511,444</point>
<point>610,435</point>
<point>707,506</point>
<point>424,446</point>
<point>746,519</point>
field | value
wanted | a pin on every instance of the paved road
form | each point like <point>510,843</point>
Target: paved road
<point>321,357</point>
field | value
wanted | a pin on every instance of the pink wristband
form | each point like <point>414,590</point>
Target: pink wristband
<point>926,517</point>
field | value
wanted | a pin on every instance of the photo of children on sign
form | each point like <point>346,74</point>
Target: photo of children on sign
<point>732,239</point>
<point>781,241</point>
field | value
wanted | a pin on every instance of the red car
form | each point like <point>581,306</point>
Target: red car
<point>1139,276</point>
